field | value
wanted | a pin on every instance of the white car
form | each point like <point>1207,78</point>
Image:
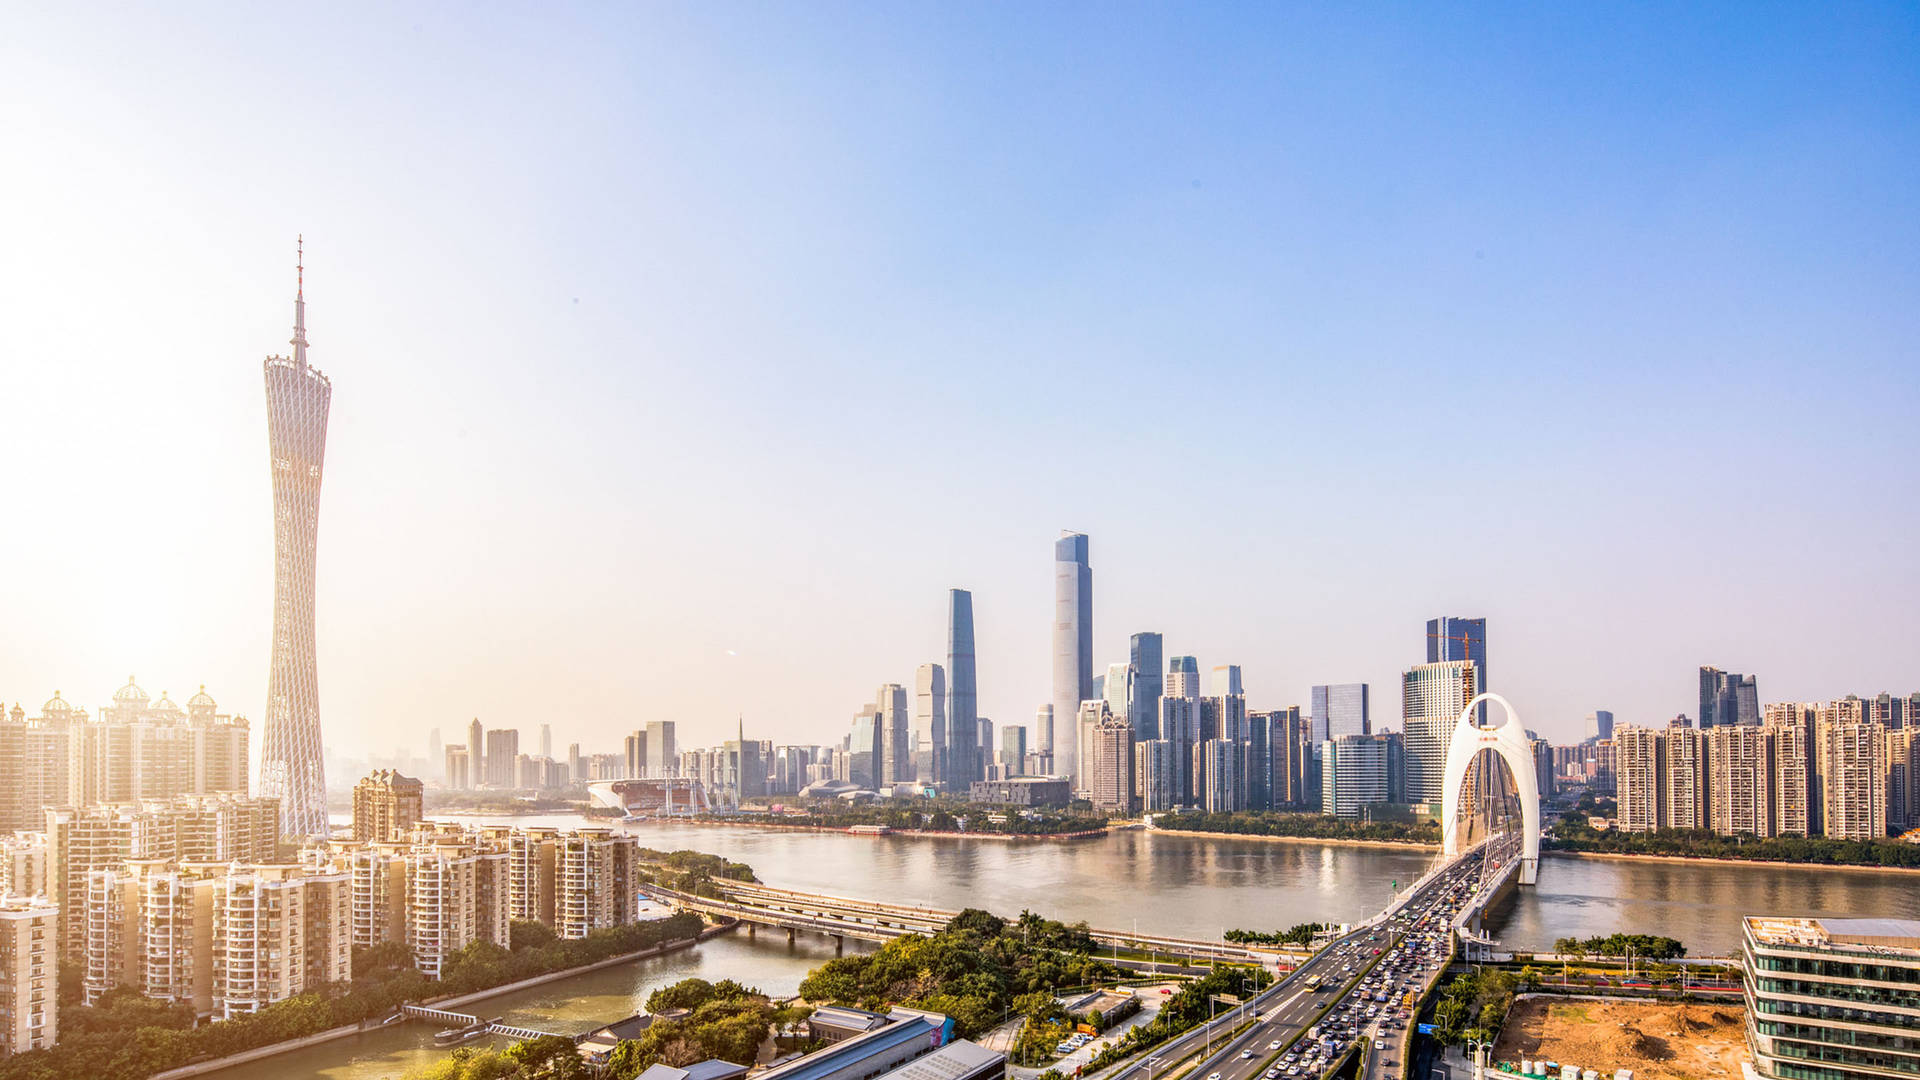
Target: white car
<point>1274,1045</point>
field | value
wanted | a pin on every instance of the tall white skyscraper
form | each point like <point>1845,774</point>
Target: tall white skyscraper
<point>1431,699</point>
<point>292,758</point>
<point>1119,688</point>
<point>896,765</point>
<point>1072,644</point>
<point>930,724</point>
<point>1043,729</point>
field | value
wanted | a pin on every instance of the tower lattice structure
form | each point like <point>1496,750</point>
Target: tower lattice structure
<point>292,765</point>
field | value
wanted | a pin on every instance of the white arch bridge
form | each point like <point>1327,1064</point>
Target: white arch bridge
<point>1509,741</point>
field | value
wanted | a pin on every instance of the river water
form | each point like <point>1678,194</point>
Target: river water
<point>1164,882</point>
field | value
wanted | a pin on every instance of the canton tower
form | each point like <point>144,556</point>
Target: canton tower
<point>292,768</point>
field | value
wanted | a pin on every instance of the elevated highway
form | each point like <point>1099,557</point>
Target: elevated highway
<point>876,920</point>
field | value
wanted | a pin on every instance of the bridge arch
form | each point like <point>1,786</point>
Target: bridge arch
<point>1509,740</point>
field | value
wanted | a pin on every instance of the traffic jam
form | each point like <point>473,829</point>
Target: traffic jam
<point>1409,947</point>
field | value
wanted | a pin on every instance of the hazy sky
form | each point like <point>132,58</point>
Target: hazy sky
<point>685,354</point>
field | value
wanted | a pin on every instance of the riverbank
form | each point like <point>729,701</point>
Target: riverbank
<point>260,1053</point>
<point>1709,859</point>
<point>1396,845</point>
<point>864,832</point>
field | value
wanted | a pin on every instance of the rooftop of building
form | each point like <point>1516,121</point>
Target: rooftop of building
<point>1902,935</point>
<point>953,1061</point>
<point>711,1069</point>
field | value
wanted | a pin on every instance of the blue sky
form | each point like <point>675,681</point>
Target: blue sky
<point>663,331</point>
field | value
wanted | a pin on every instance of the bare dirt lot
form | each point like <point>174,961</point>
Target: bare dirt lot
<point>1657,1041</point>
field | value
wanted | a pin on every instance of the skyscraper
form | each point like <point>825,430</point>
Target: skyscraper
<point>963,731</point>
<point>546,740</point>
<point>1180,723</point>
<point>292,758</point>
<point>1143,707</point>
<point>896,732</point>
<point>1452,638</point>
<point>1727,698</point>
<point>1431,697</point>
<point>930,724</point>
<point>1118,689</point>
<point>1341,709</point>
<point>476,754</point>
<point>1072,643</point>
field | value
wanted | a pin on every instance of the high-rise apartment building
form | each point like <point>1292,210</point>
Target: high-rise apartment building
<point>1640,777</point>
<point>456,895</point>
<point>595,881</point>
<point>1072,644</point>
<point>1686,786</point>
<point>29,975</point>
<point>1740,762</point>
<point>386,806</point>
<point>1853,780</point>
<point>1432,697</point>
<point>1796,806</point>
<point>458,768</point>
<point>225,828</point>
<point>278,931</point>
<point>930,725</point>
<point>503,755</point>
<point>1341,709</point>
<point>1143,704</point>
<point>1903,779</point>
<point>1112,766</point>
<point>292,760</point>
<point>963,730</point>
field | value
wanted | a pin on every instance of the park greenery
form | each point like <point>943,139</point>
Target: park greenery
<point>1304,826</point>
<point>723,1020</point>
<point>1640,946</point>
<point>1572,834</point>
<point>974,970</point>
<point>549,1057</point>
<point>1186,1009</point>
<point>1473,1006</point>
<point>126,1036</point>
<point>1298,934</point>
<point>690,872</point>
<point>943,814</point>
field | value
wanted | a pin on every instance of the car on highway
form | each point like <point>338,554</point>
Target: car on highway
<point>1274,1045</point>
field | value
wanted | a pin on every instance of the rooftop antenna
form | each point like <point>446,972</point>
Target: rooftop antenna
<point>299,341</point>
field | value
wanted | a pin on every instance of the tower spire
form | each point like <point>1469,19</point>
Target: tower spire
<point>299,341</point>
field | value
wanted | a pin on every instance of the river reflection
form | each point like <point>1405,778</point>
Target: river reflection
<point>1160,882</point>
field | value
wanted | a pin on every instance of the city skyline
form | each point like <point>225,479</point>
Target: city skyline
<point>532,493</point>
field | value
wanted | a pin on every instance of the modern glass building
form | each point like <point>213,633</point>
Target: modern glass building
<point>1143,708</point>
<point>963,707</point>
<point>930,724</point>
<point>1832,999</point>
<point>1341,709</point>
<point>1452,638</point>
<point>1353,774</point>
<point>1072,644</point>
<point>292,758</point>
